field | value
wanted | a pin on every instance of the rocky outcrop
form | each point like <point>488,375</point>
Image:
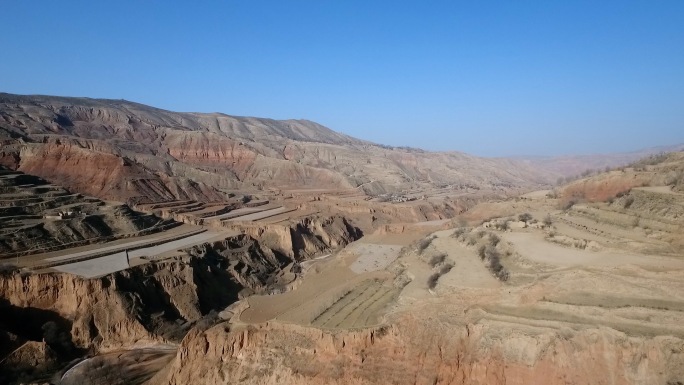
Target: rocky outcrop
<point>306,237</point>
<point>149,303</point>
<point>436,352</point>
<point>22,364</point>
<point>92,311</point>
<point>160,301</point>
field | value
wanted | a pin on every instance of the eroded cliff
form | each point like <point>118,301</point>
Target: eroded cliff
<point>436,351</point>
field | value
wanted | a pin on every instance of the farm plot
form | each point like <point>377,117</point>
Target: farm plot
<point>261,214</point>
<point>237,212</point>
<point>183,239</point>
<point>120,260</point>
<point>96,267</point>
<point>360,307</point>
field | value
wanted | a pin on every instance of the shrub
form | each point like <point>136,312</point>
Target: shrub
<point>437,259</point>
<point>459,232</point>
<point>494,239</point>
<point>547,220</point>
<point>493,262</point>
<point>58,339</point>
<point>525,217</point>
<point>446,268</point>
<point>481,251</point>
<point>424,243</point>
<point>502,226</point>
<point>628,202</point>
<point>568,204</point>
<point>432,280</point>
<point>7,268</point>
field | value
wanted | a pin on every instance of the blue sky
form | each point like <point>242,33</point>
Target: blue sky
<point>484,77</point>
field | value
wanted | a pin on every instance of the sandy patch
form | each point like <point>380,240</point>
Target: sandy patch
<point>658,189</point>
<point>532,246</point>
<point>539,194</point>
<point>372,257</point>
<point>437,223</point>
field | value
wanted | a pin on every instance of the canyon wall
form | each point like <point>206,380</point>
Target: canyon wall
<point>412,352</point>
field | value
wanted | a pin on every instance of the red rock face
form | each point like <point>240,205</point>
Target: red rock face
<point>603,187</point>
<point>207,149</point>
<point>92,173</point>
<point>104,175</point>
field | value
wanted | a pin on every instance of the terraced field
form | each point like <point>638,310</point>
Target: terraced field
<point>98,260</point>
<point>36,216</point>
<point>260,214</point>
<point>237,213</point>
<point>349,289</point>
<point>360,307</point>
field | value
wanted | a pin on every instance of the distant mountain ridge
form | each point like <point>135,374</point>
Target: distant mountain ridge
<point>66,109</point>
<point>574,165</point>
<point>120,150</point>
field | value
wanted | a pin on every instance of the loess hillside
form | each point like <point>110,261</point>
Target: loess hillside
<point>258,251</point>
<point>119,150</point>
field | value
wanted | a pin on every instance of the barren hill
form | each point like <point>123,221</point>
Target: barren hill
<point>119,150</point>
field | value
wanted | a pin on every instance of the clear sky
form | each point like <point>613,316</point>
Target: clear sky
<point>484,77</point>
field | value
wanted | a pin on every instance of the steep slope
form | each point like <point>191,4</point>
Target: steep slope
<point>656,170</point>
<point>152,303</point>
<point>127,151</point>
